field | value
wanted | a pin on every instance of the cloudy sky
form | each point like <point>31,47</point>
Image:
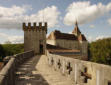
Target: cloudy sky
<point>93,16</point>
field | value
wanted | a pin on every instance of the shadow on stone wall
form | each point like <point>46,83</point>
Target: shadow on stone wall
<point>25,73</point>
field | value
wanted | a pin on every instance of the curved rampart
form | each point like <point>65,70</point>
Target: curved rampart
<point>7,73</point>
<point>81,72</point>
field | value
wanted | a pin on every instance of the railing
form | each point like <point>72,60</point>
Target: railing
<point>81,72</point>
<point>7,74</point>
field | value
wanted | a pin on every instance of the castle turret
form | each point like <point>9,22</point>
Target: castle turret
<point>35,37</point>
<point>76,30</point>
<point>83,44</point>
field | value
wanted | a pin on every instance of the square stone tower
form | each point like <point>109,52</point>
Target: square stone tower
<point>35,37</point>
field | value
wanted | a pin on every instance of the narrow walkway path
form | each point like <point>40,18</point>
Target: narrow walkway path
<point>37,72</point>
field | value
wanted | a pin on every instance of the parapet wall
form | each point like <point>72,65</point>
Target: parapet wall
<point>7,76</point>
<point>36,26</point>
<point>81,72</point>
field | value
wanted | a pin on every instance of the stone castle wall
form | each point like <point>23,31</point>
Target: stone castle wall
<point>71,44</point>
<point>84,48</point>
<point>34,36</point>
<point>7,75</point>
<point>81,72</point>
<point>51,42</point>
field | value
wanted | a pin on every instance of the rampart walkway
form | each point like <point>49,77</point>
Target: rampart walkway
<point>36,71</point>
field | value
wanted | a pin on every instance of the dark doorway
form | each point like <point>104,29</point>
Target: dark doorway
<point>41,49</point>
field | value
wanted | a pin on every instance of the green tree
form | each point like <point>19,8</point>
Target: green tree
<point>100,51</point>
<point>10,49</point>
<point>2,53</point>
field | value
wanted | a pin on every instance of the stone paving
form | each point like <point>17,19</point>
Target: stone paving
<point>37,72</point>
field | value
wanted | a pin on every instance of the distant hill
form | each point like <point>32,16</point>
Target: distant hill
<point>100,51</point>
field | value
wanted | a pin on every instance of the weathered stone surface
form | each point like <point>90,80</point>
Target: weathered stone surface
<point>39,73</point>
<point>35,37</point>
<point>7,76</point>
<point>96,74</point>
<point>53,70</point>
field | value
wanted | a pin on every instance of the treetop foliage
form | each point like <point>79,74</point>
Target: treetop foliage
<point>10,49</point>
<point>100,51</point>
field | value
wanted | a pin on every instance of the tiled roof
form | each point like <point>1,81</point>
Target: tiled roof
<point>82,38</point>
<point>58,35</point>
<point>76,30</point>
<point>76,35</point>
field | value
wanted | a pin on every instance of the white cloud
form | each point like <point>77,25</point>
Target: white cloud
<point>109,21</point>
<point>16,39</point>
<point>101,37</point>
<point>92,26</point>
<point>13,11</point>
<point>3,35</point>
<point>70,32</point>
<point>85,12</point>
<point>14,17</point>
<point>49,14</point>
<point>90,39</point>
<point>12,38</point>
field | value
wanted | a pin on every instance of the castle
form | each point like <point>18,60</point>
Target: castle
<point>74,44</point>
<point>52,68</point>
<point>75,41</point>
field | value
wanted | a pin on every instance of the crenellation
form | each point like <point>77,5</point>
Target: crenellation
<point>45,27</point>
<point>29,24</point>
<point>45,24</point>
<point>24,26</point>
<point>35,26</point>
<point>40,24</point>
